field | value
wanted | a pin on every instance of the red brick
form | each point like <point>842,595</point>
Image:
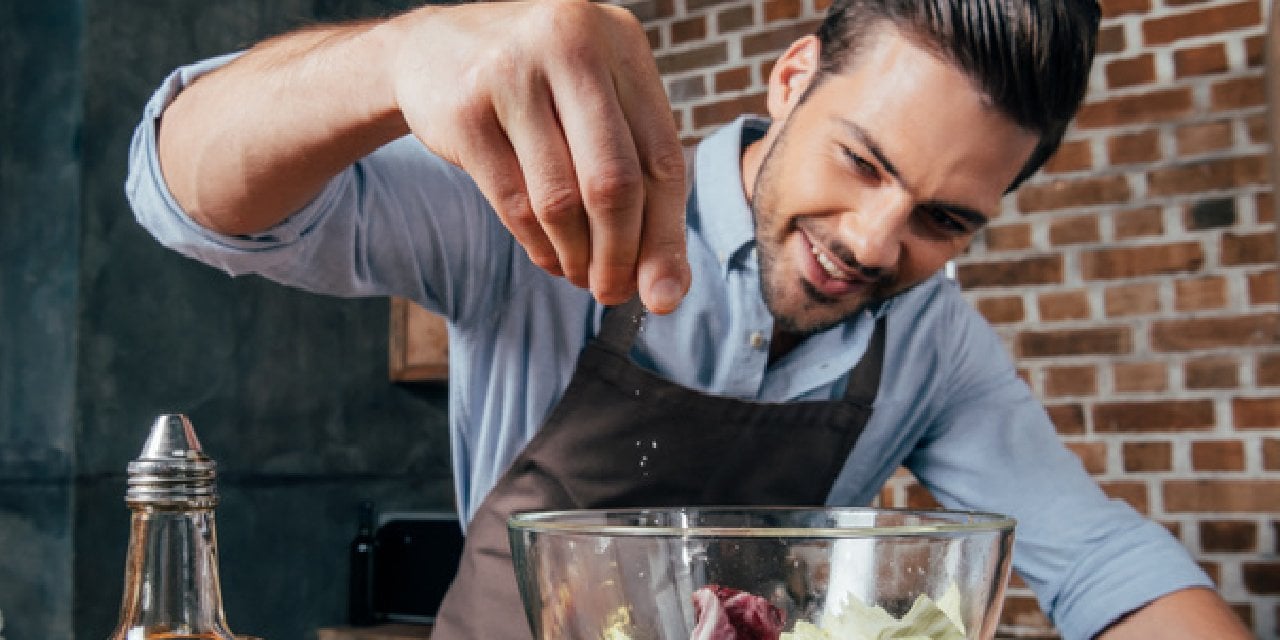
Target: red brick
<point>1221,496</point>
<point>1070,381</point>
<point>1147,456</point>
<point>775,10</point>
<point>1198,294</point>
<point>1002,309</point>
<point>1079,192</point>
<point>1116,8</point>
<point>1203,137</point>
<point>1208,175</point>
<point>1261,330</point>
<point>1134,493</point>
<point>1271,458</point>
<point>1093,455</point>
<point>1228,536</point>
<point>1011,273</point>
<point>1132,377</point>
<point>1261,577</point>
<point>1255,248</point>
<point>919,498</point>
<point>1074,230</point>
<point>1256,413</point>
<point>1134,148</point>
<point>1166,416</point>
<point>1215,372</point>
<point>724,111</point>
<point>694,5</point>
<point>1256,125</point>
<point>1072,155</point>
<point>1147,260</point>
<point>693,59</point>
<point>1008,237</point>
<point>1238,93</point>
<point>1131,71</point>
<point>1255,50</point>
<point>731,80</point>
<point>735,19</point>
<point>687,30</point>
<point>1068,419</point>
<point>1133,299</point>
<point>1217,455</point>
<point>1268,373</point>
<point>1152,107</point>
<point>655,38</point>
<point>1095,340</point>
<point>1212,20</point>
<point>1148,221</point>
<point>1199,61</point>
<point>1023,611</point>
<point>1264,287</point>
<point>1056,306</point>
<point>776,40</point>
<point>1265,203</point>
<point>1111,39</point>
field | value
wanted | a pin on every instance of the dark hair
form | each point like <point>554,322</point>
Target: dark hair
<point>1030,57</point>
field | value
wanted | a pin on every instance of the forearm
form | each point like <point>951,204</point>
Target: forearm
<point>1190,614</point>
<point>248,144</point>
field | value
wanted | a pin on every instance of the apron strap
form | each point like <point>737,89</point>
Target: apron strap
<point>864,380</point>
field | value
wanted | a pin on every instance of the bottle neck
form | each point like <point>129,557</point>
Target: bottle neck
<point>171,587</point>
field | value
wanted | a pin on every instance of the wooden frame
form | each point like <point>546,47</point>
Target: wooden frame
<point>417,344</point>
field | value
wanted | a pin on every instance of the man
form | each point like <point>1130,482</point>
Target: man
<point>543,188</point>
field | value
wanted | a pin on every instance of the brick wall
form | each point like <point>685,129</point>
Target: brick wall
<point>1134,279</point>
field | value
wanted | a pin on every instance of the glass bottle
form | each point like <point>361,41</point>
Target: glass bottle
<point>171,588</point>
<point>360,586</point>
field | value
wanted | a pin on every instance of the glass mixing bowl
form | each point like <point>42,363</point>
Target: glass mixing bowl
<point>712,573</point>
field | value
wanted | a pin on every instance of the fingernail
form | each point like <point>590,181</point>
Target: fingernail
<point>665,295</point>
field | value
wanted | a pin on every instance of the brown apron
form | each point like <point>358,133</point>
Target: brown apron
<point>597,450</point>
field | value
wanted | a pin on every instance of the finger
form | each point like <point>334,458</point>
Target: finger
<point>663,267</point>
<point>608,175</point>
<point>547,170</point>
<point>489,158</point>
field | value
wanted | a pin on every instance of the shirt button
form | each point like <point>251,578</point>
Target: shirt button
<point>757,340</point>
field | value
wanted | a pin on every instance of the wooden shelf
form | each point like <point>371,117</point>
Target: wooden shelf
<point>418,344</point>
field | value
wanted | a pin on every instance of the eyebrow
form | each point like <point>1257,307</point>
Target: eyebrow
<point>970,214</point>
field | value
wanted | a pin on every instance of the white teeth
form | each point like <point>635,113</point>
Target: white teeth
<point>827,265</point>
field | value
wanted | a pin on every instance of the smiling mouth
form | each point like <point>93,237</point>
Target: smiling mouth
<point>827,264</point>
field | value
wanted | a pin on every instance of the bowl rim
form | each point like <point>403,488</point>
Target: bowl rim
<point>554,521</point>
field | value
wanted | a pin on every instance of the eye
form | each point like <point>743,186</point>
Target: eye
<point>946,221</point>
<point>860,164</point>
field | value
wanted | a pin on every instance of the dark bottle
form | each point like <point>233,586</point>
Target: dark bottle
<point>360,589</point>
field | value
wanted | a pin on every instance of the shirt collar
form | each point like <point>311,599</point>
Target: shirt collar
<point>724,214</point>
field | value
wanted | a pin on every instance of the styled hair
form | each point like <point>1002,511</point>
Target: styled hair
<point>1030,57</point>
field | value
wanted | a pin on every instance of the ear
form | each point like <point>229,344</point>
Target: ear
<point>791,75</point>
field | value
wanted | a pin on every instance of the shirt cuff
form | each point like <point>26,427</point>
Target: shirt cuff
<point>159,212</point>
<point>1107,594</point>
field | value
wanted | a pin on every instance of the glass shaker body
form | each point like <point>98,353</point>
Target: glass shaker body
<point>171,585</point>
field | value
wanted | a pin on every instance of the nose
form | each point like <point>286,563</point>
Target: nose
<point>875,229</point>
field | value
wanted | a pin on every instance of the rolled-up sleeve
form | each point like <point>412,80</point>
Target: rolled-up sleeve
<point>400,221</point>
<point>1089,559</point>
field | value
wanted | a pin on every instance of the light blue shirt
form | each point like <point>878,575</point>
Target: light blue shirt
<point>950,408</point>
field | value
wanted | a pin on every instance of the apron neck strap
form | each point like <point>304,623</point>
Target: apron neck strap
<point>864,379</point>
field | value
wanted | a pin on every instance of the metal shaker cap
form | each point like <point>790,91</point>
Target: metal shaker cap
<point>172,469</point>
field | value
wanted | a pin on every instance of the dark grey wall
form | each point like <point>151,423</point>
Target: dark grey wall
<point>101,329</point>
<point>41,98</point>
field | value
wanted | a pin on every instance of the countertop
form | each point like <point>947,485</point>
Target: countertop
<point>378,632</point>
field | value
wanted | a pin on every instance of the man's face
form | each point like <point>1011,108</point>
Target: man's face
<point>872,181</point>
